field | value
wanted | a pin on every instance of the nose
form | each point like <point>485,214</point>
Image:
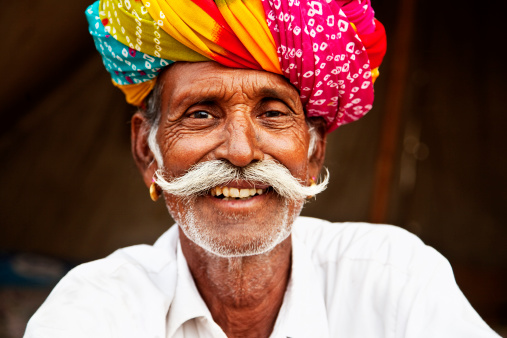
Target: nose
<point>240,146</point>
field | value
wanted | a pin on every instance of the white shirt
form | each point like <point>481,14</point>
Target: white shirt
<point>348,280</point>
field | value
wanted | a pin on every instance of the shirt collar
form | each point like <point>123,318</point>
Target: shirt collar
<point>187,303</point>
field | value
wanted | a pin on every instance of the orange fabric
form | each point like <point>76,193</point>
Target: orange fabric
<point>136,93</point>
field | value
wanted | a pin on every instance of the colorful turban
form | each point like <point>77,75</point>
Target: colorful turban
<point>330,50</point>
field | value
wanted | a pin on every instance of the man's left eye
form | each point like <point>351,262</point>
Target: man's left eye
<point>201,115</point>
<point>273,113</point>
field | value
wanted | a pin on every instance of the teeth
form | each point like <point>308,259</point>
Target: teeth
<point>233,192</point>
<point>230,193</point>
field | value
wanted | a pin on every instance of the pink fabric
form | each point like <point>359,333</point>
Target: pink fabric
<point>321,54</point>
<point>360,13</point>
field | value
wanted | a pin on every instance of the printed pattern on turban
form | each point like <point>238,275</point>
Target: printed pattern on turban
<point>330,50</point>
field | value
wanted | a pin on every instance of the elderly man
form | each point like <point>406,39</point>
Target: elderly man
<point>233,136</point>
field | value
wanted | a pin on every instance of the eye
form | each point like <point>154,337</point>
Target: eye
<point>273,113</point>
<point>273,109</point>
<point>201,114</point>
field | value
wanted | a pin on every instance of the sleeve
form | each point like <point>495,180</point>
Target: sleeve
<point>432,305</point>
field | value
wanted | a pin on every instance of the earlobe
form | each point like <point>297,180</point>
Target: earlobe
<point>141,152</point>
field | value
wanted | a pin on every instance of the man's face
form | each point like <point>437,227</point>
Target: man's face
<point>210,112</point>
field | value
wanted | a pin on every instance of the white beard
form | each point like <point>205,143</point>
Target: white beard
<point>249,243</point>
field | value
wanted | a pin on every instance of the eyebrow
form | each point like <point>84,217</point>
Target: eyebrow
<point>279,95</point>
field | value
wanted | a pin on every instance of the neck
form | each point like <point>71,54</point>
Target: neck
<point>243,294</point>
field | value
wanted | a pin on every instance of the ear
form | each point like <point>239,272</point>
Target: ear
<point>145,161</point>
<point>316,160</point>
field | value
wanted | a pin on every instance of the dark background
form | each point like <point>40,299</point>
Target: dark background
<point>430,157</point>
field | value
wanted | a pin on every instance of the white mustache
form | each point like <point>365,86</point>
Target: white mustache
<point>202,177</point>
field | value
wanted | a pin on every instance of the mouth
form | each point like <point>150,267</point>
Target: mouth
<point>232,193</point>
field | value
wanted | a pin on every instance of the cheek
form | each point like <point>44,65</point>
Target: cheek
<point>290,149</point>
<point>183,150</point>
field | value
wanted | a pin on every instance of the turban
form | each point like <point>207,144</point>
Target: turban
<point>330,50</point>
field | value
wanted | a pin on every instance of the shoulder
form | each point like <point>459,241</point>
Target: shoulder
<point>110,295</point>
<point>386,276</point>
<point>382,244</point>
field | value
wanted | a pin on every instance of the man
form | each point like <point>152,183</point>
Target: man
<point>235,148</point>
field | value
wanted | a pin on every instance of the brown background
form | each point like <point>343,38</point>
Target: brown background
<point>430,157</point>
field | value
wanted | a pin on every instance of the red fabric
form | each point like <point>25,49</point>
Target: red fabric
<point>375,44</point>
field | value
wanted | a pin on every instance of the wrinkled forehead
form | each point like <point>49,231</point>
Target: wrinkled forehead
<point>212,81</point>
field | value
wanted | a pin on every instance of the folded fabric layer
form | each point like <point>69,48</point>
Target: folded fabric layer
<point>326,49</point>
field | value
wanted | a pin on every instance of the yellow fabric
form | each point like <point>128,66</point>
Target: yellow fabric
<point>134,27</point>
<point>374,74</point>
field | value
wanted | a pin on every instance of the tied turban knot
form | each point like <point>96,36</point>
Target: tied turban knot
<point>330,50</point>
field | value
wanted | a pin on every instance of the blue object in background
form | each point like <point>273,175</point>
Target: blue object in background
<point>31,270</point>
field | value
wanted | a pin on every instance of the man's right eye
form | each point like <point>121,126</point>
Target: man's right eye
<point>201,114</point>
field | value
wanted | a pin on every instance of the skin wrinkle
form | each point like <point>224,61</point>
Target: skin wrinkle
<point>314,138</point>
<point>244,293</point>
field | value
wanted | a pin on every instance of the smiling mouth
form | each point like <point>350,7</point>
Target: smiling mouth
<point>231,193</point>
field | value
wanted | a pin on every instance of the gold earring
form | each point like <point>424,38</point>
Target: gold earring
<point>312,184</point>
<point>154,192</point>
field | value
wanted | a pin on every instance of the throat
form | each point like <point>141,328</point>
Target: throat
<point>246,303</point>
<point>235,265</point>
<point>240,282</point>
<point>243,294</point>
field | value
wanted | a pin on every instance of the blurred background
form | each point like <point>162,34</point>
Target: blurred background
<point>430,157</point>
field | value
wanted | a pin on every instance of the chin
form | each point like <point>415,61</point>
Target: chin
<point>240,247</point>
<point>232,234</point>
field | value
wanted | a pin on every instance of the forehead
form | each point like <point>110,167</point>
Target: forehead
<point>213,81</point>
